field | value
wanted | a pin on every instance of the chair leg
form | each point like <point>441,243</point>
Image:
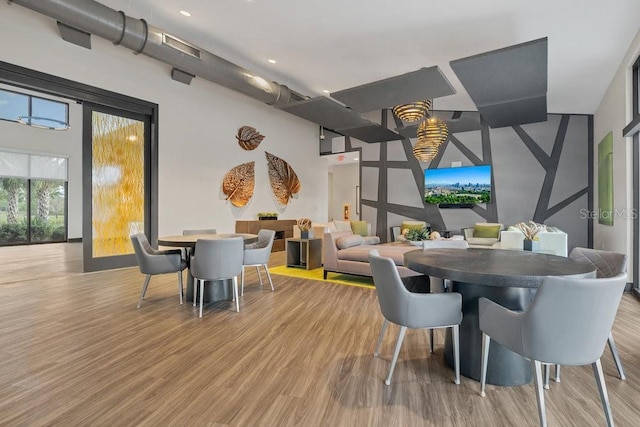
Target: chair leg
<point>456,351</point>
<point>266,268</point>
<point>557,373</point>
<point>376,351</point>
<point>180,285</point>
<point>486,341</point>
<point>431,344</point>
<point>235,292</point>
<point>242,281</point>
<point>616,356</point>
<point>602,389</point>
<point>195,290</point>
<point>259,275</point>
<point>547,371</point>
<point>201,295</point>
<point>395,354</point>
<point>542,413</point>
<point>144,289</point>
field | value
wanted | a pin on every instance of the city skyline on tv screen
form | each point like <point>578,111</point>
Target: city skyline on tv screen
<point>461,185</point>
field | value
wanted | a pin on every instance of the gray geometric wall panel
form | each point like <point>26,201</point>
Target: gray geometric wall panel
<point>526,174</point>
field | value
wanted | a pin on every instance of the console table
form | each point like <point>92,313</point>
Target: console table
<point>282,227</point>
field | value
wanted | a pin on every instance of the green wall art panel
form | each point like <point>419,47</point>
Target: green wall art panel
<point>605,180</point>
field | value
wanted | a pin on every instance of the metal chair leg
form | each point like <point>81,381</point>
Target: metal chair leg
<point>266,268</point>
<point>486,341</point>
<point>376,351</point>
<point>602,389</point>
<point>395,354</point>
<point>547,371</point>
<point>144,289</point>
<point>456,351</point>
<point>259,275</point>
<point>431,343</point>
<point>616,356</point>
<point>557,373</point>
<point>537,367</point>
<point>235,292</point>
<point>201,295</point>
<point>180,285</point>
<point>242,281</point>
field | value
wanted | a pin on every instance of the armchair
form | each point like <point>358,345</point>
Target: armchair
<point>152,262</point>
<point>552,329</point>
<point>257,255</point>
<point>483,234</point>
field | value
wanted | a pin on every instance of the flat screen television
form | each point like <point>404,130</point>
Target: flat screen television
<point>461,186</point>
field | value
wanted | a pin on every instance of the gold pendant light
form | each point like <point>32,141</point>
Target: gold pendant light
<point>425,150</point>
<point>434,129</point>
<point>412,112</point>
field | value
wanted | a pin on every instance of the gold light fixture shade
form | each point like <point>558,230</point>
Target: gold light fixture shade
<point>426,149</point>
<point>433,129</point>
<point>412,112</point>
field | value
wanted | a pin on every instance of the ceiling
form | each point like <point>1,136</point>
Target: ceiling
<point>331,45</point>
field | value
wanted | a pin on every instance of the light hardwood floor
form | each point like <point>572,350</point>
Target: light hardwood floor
<point>75,351</point>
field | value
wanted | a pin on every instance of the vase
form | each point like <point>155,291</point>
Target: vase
<point>531,245</point>
<point>304,234</point>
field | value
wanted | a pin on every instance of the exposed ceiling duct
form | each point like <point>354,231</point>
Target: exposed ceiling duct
<point>91,17</point>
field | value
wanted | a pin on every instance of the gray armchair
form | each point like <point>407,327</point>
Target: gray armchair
<point>191,232</point>
<point>257,255</point>
<point>152,261</point>
<point>607,264</point>
<point>216,259</point>
<point>552,329</point>
<point>412,310</point>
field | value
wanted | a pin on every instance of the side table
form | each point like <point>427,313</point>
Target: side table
<point>304,253</point>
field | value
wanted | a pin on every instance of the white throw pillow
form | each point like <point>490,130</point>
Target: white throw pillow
<point>345,242</point>
<point>342,225</point>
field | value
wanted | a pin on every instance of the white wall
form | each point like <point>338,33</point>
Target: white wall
<point>345,179</point>
<point>197,126</point>
<point>613,114</point>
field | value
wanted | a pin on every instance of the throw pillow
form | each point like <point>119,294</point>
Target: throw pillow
<point>345,242</point>
<point>370,240</point>
<point>480,230</point>
<point>342,225</point>
<point>359,227</point>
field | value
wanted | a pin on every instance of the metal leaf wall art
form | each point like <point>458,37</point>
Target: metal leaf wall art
<point>284,181</point>
<point>249,138</point>
<point>238,184</point>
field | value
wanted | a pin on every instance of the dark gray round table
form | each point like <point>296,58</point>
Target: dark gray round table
<point>507,277</point>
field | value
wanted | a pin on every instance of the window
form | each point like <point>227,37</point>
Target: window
<point>633,129</point>
<point>33,201</point>
<point>33,111</point>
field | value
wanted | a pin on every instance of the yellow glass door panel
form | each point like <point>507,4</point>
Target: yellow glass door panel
<point>117,183</point>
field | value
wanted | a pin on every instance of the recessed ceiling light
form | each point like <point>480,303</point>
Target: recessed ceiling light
<point>325,91</point>
<point>185,13</point>
<point>272,61</point>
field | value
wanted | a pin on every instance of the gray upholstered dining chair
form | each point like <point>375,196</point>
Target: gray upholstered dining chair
<point>607,264</point>
<point>217,259</point>
<point>257,255</point>
<point>152,261</point>
<point>551,329</point>
<point>190,232</point>
<point>412,310</point>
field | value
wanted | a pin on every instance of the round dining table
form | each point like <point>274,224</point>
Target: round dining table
<point>220,290</point>
<point>507,277</point>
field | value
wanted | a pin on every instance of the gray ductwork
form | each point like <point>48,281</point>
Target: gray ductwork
<point>136,34</point>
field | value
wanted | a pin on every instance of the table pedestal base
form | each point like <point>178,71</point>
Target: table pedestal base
<point>504,367</point>
<point>219,290</point>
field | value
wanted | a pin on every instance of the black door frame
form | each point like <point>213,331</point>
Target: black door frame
<point>46,83</point>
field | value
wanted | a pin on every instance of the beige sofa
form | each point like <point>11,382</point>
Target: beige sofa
<point>355,259</point>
